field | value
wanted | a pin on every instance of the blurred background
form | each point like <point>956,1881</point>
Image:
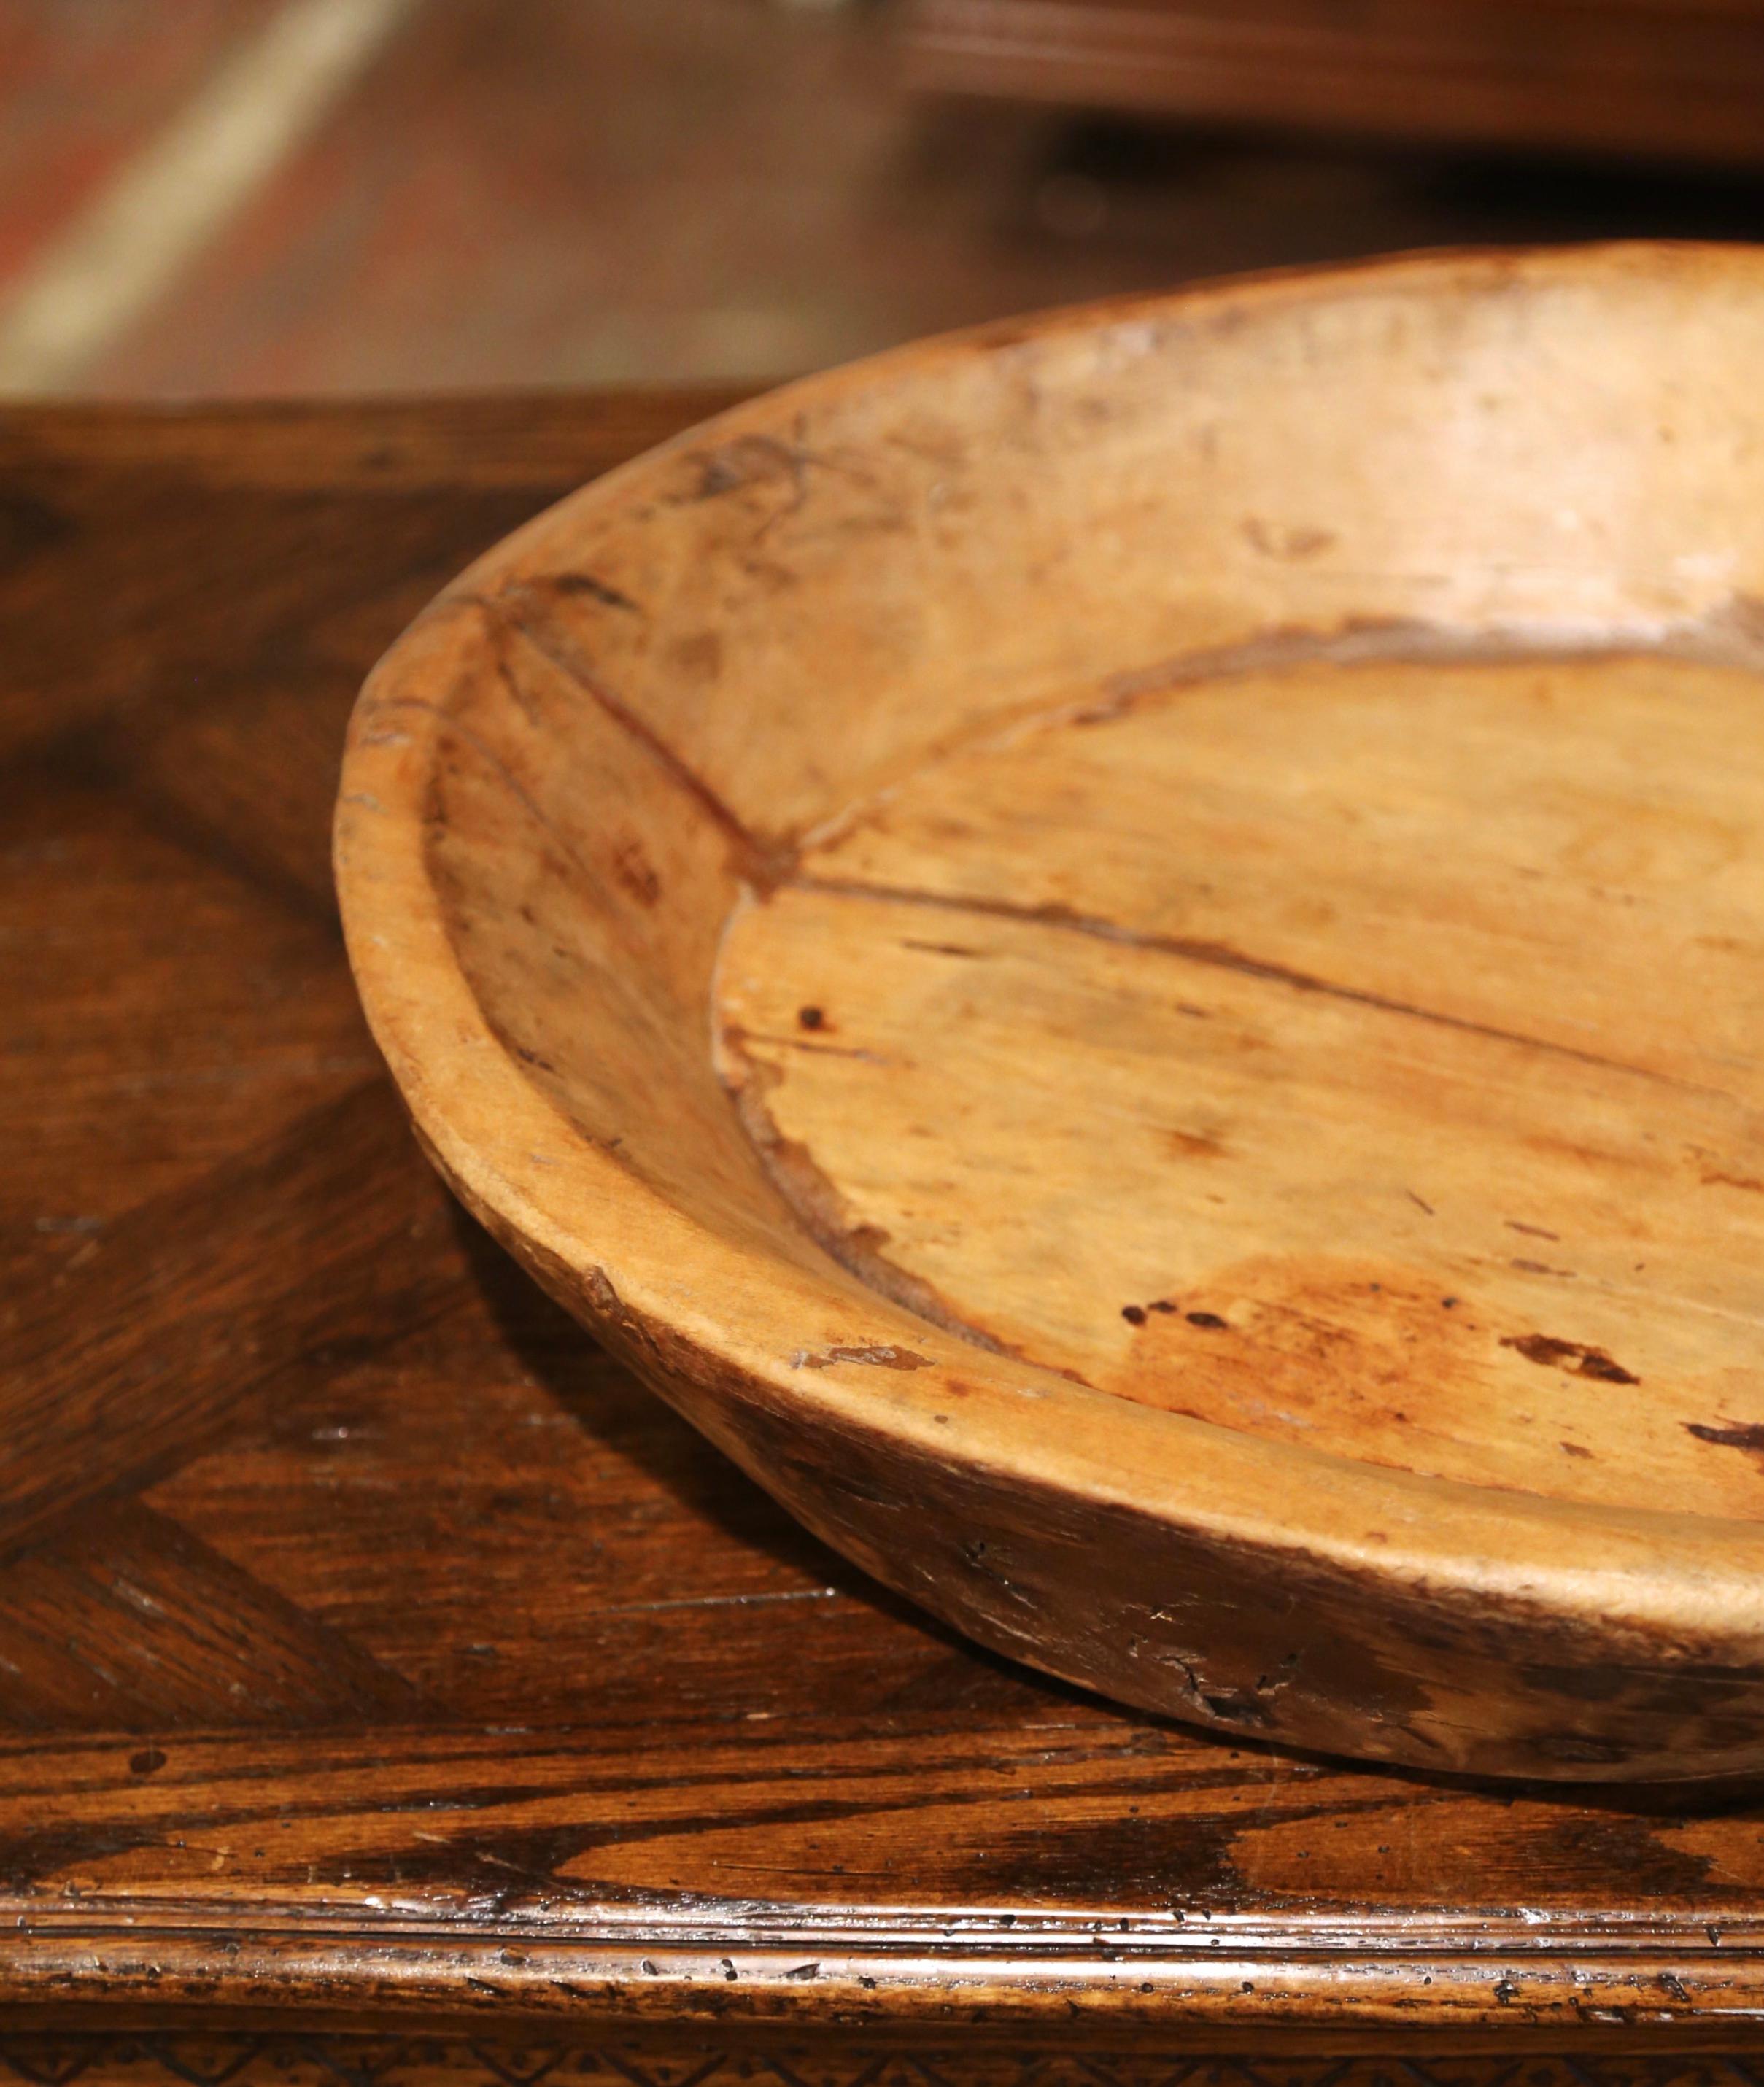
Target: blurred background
<point>265,197</point>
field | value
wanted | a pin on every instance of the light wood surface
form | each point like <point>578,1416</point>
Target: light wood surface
<point>1358,1056</point>
<point>1219,839</point>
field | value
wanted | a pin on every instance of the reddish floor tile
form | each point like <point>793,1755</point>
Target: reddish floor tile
<point>83,83</point>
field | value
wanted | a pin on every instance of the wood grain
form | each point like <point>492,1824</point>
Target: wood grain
<point>1674,78</point>
<point>1238,815</point>
<point>1448,1181</point>
<point>404,1669</point>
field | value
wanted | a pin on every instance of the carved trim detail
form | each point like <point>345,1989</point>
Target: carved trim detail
<point>108,2059</point>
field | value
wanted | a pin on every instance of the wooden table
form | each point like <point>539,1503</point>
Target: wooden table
<point>1678,79</point>
<point>389,1690</point>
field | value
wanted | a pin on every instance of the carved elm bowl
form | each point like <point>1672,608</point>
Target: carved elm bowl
<point>1126,953</point>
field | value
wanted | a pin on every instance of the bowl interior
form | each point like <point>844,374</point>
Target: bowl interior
<point>1207,848</point>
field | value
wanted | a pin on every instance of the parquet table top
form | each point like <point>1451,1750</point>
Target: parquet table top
<point>378,1664</point>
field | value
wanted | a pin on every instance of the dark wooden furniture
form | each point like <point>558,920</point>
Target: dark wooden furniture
<point>392,1692</point>
<point>1684,79</point>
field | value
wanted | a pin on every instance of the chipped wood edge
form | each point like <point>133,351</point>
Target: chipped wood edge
<point>1108,1980</point>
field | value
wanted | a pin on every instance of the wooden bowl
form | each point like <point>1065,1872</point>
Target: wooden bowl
<point>1126,953</point>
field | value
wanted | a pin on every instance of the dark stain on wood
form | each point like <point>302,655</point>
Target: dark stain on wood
<point>1729,1434</point>
<point>587,585</point>
<point>1575,1357</point>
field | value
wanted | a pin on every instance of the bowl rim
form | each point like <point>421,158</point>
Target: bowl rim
<point>689,1307</point>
